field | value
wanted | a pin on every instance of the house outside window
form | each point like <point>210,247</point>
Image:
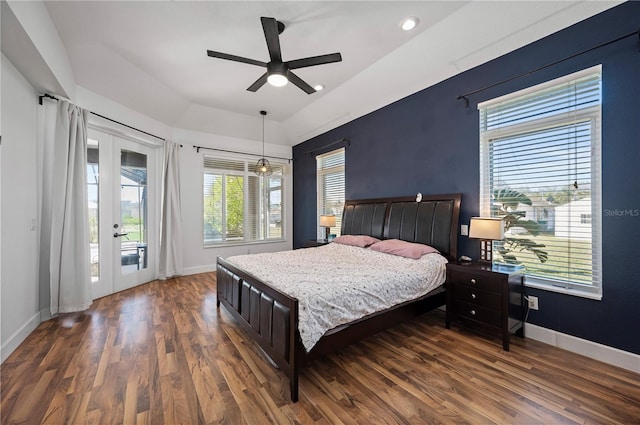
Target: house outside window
<point>540,168</point>
<point>239,206</point>
<point>330,179</point>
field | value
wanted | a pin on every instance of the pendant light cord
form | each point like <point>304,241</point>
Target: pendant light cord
<point>263,168</point>
<point>264,114</point>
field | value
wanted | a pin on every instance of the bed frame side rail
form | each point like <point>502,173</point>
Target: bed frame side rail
<point>268,315</point>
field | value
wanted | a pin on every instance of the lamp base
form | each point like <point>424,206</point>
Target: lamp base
<point>486,251</point>
<point>326,234</point>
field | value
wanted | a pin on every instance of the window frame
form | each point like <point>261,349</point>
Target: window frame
<point>320,204</point>
<point>262,199</point>
<point>591,115</point>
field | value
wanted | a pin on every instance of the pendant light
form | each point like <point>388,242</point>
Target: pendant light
<point>263,168</point>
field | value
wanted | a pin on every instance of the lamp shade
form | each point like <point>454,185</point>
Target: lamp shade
<point>486,228</point>
<point>327,220</point>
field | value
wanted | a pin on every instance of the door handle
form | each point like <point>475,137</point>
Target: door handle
<point>115,235</point>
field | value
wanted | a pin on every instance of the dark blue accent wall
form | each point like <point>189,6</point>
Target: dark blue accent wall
<point>429,142</point>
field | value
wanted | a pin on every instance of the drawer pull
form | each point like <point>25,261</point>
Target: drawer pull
<point>473,281</point>
<point>473,312</point>
<point>473,296</point>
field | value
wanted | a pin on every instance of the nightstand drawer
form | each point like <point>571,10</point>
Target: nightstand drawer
<point>475,280</point>
<point>477,296</point>
<point>487,316</point>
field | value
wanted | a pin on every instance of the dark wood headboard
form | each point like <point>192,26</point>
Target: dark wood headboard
<point>433,221</point>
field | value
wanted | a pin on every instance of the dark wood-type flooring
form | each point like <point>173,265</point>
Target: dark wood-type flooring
<point>162,353</point>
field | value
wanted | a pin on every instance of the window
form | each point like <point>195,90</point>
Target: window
<point>240,206</point>
<point>330,176</point>
<point>540,171</point>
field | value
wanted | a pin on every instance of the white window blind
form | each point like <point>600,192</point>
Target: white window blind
<point>540,170</point>
<point>240,206</point>
<point>330,178</point>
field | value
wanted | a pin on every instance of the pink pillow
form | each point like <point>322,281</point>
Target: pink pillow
<point>362,241</point>
<point>403,248</point>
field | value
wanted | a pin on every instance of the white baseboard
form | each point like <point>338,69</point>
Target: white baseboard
<point>20,335</point>
<point>45,314</point>
<point>594,350</point>
<point>201,269</point>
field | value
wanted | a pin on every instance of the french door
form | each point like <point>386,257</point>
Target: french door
<point>123,212</point>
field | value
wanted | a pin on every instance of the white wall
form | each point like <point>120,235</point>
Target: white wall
<point>33,45</point>
<point>19,280</point>
<point>113,110</point>
<point>198,259</point>
<point>1,333</point>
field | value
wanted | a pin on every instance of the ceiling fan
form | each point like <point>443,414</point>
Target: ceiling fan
<point>278,72</point>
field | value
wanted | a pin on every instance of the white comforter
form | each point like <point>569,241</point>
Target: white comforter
<point>337,284</point>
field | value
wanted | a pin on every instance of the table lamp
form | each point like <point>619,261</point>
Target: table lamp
<point>487,229</point>
<point>327,221</point>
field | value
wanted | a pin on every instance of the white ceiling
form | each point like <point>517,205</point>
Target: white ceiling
<point>150,56</point>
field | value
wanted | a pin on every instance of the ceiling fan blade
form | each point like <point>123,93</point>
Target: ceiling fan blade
<point>300,83</point>
<point>271,35</point>
<point>235,58</point>
<point>259,83</point>
<point>314,60</point>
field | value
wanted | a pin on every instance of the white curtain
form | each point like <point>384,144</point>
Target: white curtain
<point>171,261</point>
<point>64,234</point>
<point>46,140</point>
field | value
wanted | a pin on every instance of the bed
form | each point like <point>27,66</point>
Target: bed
<point>271,317</point>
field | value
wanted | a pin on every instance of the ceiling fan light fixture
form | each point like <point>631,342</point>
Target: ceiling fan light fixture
<point>318,87</point>
<point>277,74</point>
<point>277,80</point>
<point>409,23</point>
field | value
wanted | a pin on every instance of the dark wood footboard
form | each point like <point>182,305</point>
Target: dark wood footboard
<point>267,315</point>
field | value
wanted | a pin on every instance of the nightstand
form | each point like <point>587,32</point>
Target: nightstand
<point>313,243</point>
<point>487,298</point>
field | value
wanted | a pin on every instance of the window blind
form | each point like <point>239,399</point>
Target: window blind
<point>540,172</point>
<point>330,177</point>
<point>240,206</point>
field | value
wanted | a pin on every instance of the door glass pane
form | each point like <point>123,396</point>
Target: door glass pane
<point>93,204</point>
<point>133,211</point>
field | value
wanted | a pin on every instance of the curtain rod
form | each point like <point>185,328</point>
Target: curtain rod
<point>241,153</point>
<point>103,117</point>
<point>465,96</point>
<point>348,143</point>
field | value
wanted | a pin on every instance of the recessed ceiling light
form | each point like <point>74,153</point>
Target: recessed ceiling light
<point>318,87</point>
<point>409,23</point>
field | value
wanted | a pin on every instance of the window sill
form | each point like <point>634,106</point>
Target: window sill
<point>242,243</point>
<point>530,283</point>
